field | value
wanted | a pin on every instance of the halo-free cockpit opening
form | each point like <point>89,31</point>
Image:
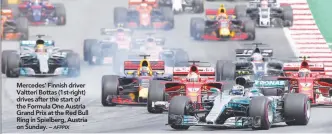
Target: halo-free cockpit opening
<point>145,64</point>
<point>193,68</point>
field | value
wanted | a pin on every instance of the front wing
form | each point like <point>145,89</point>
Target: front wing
<point>237,36</point>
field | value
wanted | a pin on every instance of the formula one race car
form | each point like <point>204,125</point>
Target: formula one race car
<point>251,64</point>
<point>143,14</point>
<point>267,13</point>
<point>41,12</point>
<point>13,29</point>
<point>98,52</point>
<point>241,108</point>
<point>133,88</point>
<point>196,6</point>
<point>310,79</point>
<point>39,58</point>
<point>221,27</point>
<point>174,57</point>
<point>195,82</point>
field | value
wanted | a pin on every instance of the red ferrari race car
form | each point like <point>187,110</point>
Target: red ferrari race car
<point>198,83</point>
<point>133,88</point>
<point>221,25</point>
<point>144,14</point>
<point>310,79</point>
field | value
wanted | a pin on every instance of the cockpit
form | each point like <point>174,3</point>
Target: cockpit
<point>257,57</point>
<point>145,71</point>
<point>40,46</point>
<point>304,72</point>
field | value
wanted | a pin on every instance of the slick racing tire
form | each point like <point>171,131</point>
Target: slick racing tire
<point>4,57</point>
<point>169,17</point>
<point>297,109</point>
<point>86,48</point>
<point>109,88</point>
<point>262,107</point>
<point>156,93</point>
<point>179,105</point>
<point>120,16</point>
<point>288,16</point>
<point>193,21</point>
<point>60,13</point>
<point>250,29</point>
<point>240,11</point>
<point>198,6</point>
<point>225,70</point>
<point>23,27</point>
<point>95,54</point>
<point>73,63</point>
<point>13,65</point>
<point>198,29</point>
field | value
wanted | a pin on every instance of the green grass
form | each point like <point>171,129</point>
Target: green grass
<point>322,12</point>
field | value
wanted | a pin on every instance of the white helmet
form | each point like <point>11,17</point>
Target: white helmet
<point>193,77</point>
<point>237,90</point>
<point>304,72</point>
<point>257,57</point>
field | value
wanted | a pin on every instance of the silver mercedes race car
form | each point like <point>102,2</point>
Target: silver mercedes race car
<point>40,58</point>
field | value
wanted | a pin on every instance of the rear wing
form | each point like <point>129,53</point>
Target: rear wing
<point>7,13</point>
<point>159,41</point>
<point>137,2</point>
<point>271,83</point>
<point>295,66</point>
<point>249,52</point>
<point>32,43</point>
<point>109,31</point>
<point>203,71</point>
<point>135,65</point>
<point>210,12</point>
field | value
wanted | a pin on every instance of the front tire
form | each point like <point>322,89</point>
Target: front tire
<point>109,88</point>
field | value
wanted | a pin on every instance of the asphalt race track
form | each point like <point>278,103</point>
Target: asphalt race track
<point>85,18</point>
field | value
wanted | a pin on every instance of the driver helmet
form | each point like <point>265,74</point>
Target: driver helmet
<point>264,4</point>
<point>144,5</point>
<point>40,48</point>
<point>304,72</point>
<point>257,57</point>
<point>223,16</point>
<point>193,77</point>
<point>150,42</point>
<point>145,71</point>
<point>237,90</point>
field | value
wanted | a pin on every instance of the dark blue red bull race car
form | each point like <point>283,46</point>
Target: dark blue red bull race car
<point>41,12</point>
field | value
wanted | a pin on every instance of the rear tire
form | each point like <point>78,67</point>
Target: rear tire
<point>60,13</point>
<point>156,93</point>
<point>198,29</point>
<point>120,16</point>
<point>198,6</point>
<point>23,27</point>
<point>86,48</point>
<point>109,87</point>
<point>225,70</point>
<point>250,29</point>
<point>240,11</point>
<point>73,62</point>
<point>169,17</point>
<point>288,16</point>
